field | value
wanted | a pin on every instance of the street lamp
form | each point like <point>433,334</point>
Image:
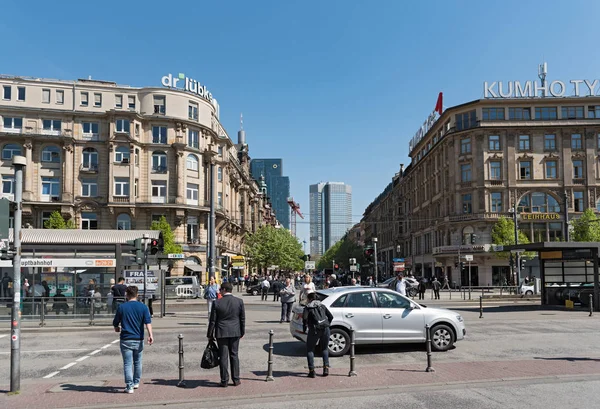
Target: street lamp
<point>375,257</point>
<point>517,265</point>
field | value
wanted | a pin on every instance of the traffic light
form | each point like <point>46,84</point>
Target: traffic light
<point>462,266</point>
<point>523,261</point>
<point>157,245</point>
<point>336,267</point>
<point>473,238</point>
<point>369,253</point>
<point>138,250</point>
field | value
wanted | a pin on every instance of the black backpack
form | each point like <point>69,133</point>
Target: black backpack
<point>319,317</point>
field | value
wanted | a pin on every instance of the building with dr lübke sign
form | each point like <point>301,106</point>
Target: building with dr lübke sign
<point>118,157</point>
<point>525,144</point>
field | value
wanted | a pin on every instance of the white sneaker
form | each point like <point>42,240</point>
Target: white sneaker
<point>127,390</point>
<point>137,385</point>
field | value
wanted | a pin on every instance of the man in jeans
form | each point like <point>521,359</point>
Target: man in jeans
<point>316,333</point>
<point>129,320</point>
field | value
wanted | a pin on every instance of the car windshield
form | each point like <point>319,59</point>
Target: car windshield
<point>321,296</point>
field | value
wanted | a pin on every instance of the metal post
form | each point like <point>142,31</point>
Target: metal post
<point>270,361</point>
<point>429,367</point>
<point>19,163</point>
<point>91,311</point>
<point>591,305</point>
<point>163,295</point>
<point>375,257</point>
<point>469,279</point>
<point>211,225</point>
<point>481,307</point>
<point>566,215</point>
<point>517,258</point>
<point>43,314</point>
<point>146,238</point>
<point>352,357</point>
<point>181,383</point>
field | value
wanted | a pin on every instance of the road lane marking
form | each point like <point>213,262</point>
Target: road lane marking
<point>95,352</point>
<point>50,375</point>
<point>2,336</point>
<point>115,341</point>
<point>106,346</point>
<point>83,358</point>
<point>67,366</point>
<point>48,351</point>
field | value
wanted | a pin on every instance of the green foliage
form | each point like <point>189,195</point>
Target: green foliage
<point>503,233</point>
<point>342,252</point>
<point>57,221</point>
<point>168,237</point>
<point>269,246</point>
<point>586,227</point>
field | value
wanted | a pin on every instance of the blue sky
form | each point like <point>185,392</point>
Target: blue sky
<point>335,88</point>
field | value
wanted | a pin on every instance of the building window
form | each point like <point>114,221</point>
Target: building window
<point>121,187</point>
<point>90,129</point>
<point>60,97</point>
<point>7,92</point>
<point>50,187</point>
<point>8,184</point>
<point>496,170</point>
<point>193,140</point>
<point>496,199</point>
<point>97,100</point>
<point>524,144</point>
<point>159,189</point>
<point>192,230</point>
<point>572,113</point>
<point>538,202</point>
<point>45,217</point>
<point>465,146</point>
<point>220,151</point>
<point>51,154</point>
<point>594,111</point>
<point>9,150</point>
<point>551,169</point>
<point>122,154</point>
<point>192,194</point>
<point>159,162</point>
<point>89,221</point>
<point>159,134</point>
<point>220,199</point>
<point>578,201</point>
<point>51,126</point>
<point>545,113</point>
<point>137,129</point>
<point>122,125</point>
<point>494,142</point>
<point>576,142</point>
<point>220,174</point>
<point>192,163</point>
<point>525,170</point>
<point>160,106</point>
<point>492,114</point>
<point>89,159</point>
<point>466,120</point>
<point>20,93</point>
<point>118,101</point>
<point>89,187</point>
<point>123,222</point>
<point>578,169</point>
<point>84,99</point>
<point>550,142</point>
<point>131,102</point>
<point>135,187</point>
<point>556,231</point>
<point>193,111</point>
<point>13,125</point>
<point>466,204</point>
<point>465,172</point>
<point>519,114</point>
<point>45,96</point>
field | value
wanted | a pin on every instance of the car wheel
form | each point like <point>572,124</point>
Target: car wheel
<point>528,292</point>
<point>339,342</point>
<point>442,338</point>
<point>254,292</point>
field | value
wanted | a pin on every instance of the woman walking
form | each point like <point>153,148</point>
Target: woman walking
<point>307,287</point>
<point>288,296</point>
<point>211,293</point>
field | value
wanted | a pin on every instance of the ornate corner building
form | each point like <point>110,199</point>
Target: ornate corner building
<point>476,163</point>
<point>118,157</point>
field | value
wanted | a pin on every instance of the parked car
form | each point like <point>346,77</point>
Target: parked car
<point>256,289</point>
<point>381,316</point>
<point>411,285</point>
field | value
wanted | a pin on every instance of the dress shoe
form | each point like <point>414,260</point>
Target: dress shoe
<point>325,371</point>
<point>237,383</point>
<point>311,373</point>
<point>223,384</point>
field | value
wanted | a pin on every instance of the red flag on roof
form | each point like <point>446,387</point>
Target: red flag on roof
<point>439,107</point>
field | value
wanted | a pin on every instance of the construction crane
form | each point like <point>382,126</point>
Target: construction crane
<point>295,210</point>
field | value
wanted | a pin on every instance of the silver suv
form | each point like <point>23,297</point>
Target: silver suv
<point>381,316</point>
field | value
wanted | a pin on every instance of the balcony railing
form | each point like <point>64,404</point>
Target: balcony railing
<point>578,181</point>
<point>121,199</point>
<point>159,169</point>
<point>88,168</point>
<point>495,182</point>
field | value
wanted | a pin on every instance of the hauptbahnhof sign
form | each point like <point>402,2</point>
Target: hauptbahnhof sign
<point>532,89</point>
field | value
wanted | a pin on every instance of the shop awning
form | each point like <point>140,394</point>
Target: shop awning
<point>196,268</point>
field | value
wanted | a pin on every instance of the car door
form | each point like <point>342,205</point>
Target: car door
<point>400,323</point>
<point>361,313</point>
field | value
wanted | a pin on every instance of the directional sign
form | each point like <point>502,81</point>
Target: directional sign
<point>178,256</point>
<point>468,257</point>
<point>309,265</point>
<point>353,268</point>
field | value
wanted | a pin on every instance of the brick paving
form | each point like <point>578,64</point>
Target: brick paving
<point>203,385</point>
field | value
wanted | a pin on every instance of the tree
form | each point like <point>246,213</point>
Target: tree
<point>57,221</point>
<point>341,252</point>
<point>586,227</point>
<point>503,233</point>
<point>327,259</point>
<point>269,246</point>
<point>168,237</point>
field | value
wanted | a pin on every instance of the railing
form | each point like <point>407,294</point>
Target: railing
<point>159,169</point>
<point>578,181</point>
<point>120,199</point>
<point>89,168</point>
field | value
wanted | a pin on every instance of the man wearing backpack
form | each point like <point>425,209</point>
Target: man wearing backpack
<point>316,320</point>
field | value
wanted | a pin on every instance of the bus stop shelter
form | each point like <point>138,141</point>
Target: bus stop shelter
<point>568,271</point>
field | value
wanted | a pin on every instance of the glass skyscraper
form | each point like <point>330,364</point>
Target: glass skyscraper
<point>278,186</point>
<point>330,215</point>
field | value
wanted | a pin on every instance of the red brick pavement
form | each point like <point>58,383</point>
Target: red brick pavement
<point>203,386</point>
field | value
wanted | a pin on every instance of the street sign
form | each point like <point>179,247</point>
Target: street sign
<point>468,257</point>
<point>353,268</point>
<point>177,256</point>
<point>238,261</point>
<point>309,265</point>
<point>136,278</point>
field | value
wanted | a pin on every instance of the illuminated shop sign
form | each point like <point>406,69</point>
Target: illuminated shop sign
<point>531,89</point>
<point>540,216</point>
<point>186,84</point>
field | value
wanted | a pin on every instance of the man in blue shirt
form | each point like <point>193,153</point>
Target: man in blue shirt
<point>129,320</point>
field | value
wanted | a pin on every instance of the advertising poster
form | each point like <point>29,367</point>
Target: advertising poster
<point>136,277</point>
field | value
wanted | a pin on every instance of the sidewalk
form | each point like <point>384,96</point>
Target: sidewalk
<point>202,386</point>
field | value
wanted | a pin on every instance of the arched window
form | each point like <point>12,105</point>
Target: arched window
<point>192,162</point>
<point>89,159</point>
<point>9,150</point>
<point>468,235</point>
<point>124,222</point>
<point>159,162</point>
<point>51,153</point>
<point>122,154</point>
<point>538,202</point>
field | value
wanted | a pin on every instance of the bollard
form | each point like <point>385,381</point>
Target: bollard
<point>480,307</point>
<point>181,383</point>
<point>352,357</point>
<point>429,367</point>
<point>591,305</point>
<point>270,361</point>
<point>43,314</point>
<point>450,291</point>
<point>482,292</point>
<point>91,312</point>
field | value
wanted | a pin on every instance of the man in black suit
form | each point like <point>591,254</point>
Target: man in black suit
<point>227,324</point>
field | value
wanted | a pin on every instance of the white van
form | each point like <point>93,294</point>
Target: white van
<point>183,287</point>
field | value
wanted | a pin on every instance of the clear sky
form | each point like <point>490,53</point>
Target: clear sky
<point>335,88</point>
